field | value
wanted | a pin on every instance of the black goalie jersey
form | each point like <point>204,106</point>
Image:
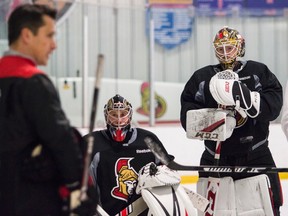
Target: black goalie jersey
<point>115,167</point>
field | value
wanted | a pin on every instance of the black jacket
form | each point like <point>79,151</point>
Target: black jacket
<point>31,114</point>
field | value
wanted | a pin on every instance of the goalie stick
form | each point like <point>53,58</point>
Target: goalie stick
<point>134,209</point>
<point>164,158</point>
<point>88,155</point>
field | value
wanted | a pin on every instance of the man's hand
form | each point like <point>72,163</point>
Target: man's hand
<point>72,205</point>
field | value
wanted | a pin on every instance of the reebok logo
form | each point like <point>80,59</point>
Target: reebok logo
<point>227,86</point>
<point>245,78</point>
<point>142,151</point>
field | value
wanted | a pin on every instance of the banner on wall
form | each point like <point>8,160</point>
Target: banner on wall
<point>241,7</point>
<point>172,21</point>
<point>157,2</point>
<point>267,8</point>
<point>219,7</point>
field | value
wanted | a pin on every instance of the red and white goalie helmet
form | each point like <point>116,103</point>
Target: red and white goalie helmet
<point>228,45</point>
<point>118,116</point>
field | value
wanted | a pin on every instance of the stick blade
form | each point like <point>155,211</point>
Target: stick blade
<point>157,150</point>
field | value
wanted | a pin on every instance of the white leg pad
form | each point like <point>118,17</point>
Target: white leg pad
<point>253,196</point>
<point>168,200</point>
<point>220,193</point>
<point>244,197</point>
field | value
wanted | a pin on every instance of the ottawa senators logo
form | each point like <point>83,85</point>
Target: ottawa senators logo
<point>160,103</point>
<point>126,179</point>
<point>240,121</point>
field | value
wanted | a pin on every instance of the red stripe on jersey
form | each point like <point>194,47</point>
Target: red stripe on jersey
<point>124,212</point>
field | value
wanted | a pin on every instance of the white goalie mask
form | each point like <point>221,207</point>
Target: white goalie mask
<point>228,45</point>
<point>118,115</point>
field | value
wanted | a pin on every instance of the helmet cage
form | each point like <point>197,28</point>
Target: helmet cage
<point>118,118</point>
<point>227,51</point>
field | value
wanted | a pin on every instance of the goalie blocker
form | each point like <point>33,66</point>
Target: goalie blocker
<point>210,124</point>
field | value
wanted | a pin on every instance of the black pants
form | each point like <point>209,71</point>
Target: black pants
<point>261,157</point>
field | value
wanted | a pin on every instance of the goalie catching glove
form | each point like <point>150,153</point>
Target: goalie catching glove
<point>152,175</point>
<point>227,90</point>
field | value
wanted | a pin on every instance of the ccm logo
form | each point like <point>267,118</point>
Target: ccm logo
<point>227,86</point>
<point>206,135</point>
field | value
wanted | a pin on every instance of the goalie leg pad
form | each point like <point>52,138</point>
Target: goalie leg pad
<point>253,197</point>
<point>250,196</point>
<point>220,193</point>
<point>168,200</point>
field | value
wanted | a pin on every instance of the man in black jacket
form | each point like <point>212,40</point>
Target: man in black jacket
<point>39,152</point>
<point>255,99</point>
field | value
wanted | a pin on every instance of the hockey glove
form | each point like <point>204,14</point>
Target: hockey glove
<point>231,92</point>
<point>72,205</point>
<point>210,124</point>
<point>152,175</point>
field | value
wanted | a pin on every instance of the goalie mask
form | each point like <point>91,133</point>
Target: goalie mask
<point>228,45</point>
<point>118,115</point>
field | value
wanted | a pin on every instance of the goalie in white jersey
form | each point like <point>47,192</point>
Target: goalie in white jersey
<point>252,95</point>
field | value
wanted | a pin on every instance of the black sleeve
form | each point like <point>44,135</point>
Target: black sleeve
<point>187,100</point>
<point>271,97</point>
<point>42,105</point>
<point>196,94</point>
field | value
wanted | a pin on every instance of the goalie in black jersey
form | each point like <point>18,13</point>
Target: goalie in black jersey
<point>251,95</point>
<point>119,153</point>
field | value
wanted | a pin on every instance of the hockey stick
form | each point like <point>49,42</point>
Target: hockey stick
<point>213,184</point>
<point>101,211</point>
<point>164,158</point>
<point>88,155</point>
<point>134,209</point>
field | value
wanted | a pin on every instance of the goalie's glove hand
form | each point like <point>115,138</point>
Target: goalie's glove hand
<point>73,205</point>
<point>231,92</point>
<point>152,175</point>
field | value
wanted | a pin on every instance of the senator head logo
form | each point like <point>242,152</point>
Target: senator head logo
<point>126,178</point>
